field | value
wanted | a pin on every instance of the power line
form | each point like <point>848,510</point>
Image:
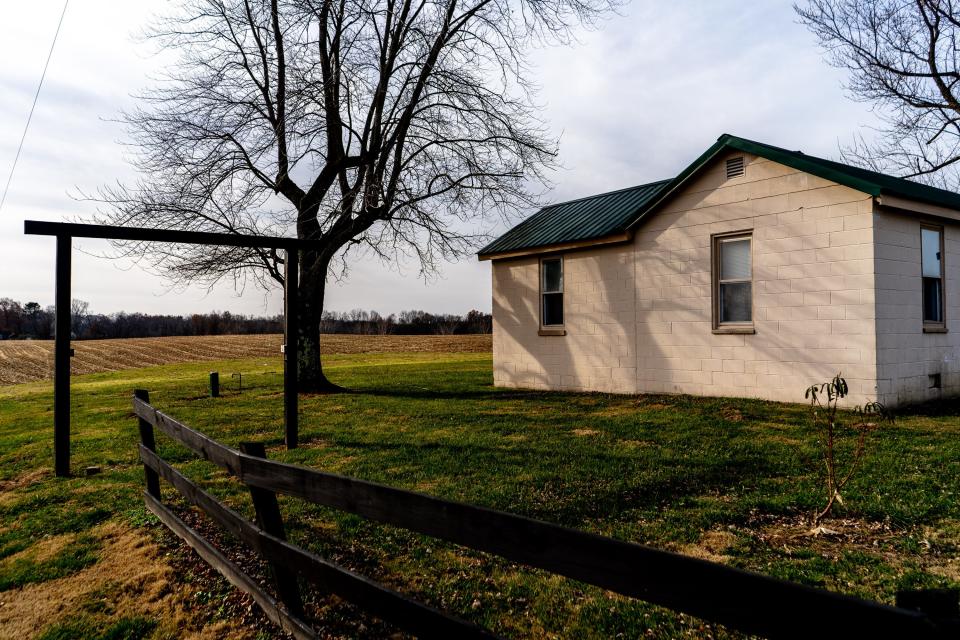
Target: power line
<point>34,105</point>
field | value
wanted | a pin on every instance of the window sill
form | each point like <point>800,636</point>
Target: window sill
<point>552,332</point>
<point>734,331</point>
<point>935,329</point>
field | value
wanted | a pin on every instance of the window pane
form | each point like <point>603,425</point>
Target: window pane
<point>736,302</point>
<point>735,259</point>
<point>930,243</point>
<point>933,299</point>
<point>552,308</point>
<point>552,276</point>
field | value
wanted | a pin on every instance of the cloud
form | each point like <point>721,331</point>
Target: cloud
<point>633,101</point>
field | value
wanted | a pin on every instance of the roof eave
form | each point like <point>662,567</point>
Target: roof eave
<point>614,238</point>
<point>916,206</point>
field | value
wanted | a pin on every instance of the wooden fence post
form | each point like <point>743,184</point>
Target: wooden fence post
<point>146,439</point>
<point>61,360</point>
<point>270,520</point>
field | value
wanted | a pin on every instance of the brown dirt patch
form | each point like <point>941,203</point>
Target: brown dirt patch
<point>586,432</point>
<point>24,480</point>
<point>45,549</point>
<point>8,488</point>
<point>712,546</point>
<point>652,405</point>
<point>949,569</point>
<point>30,360</point>
<point>131,573</point>
<point>842,534</point>
<point>731,414</point>
<point>637,444</point>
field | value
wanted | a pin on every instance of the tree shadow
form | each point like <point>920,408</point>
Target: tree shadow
<point>424,393</point>
<point>935,409</point>
<point>611,493</point>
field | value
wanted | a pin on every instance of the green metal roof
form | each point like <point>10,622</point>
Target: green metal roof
<point>615,212</point>
<point>588,218</point>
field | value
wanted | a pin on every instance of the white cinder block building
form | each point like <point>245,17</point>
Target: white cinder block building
<point>754,273</point>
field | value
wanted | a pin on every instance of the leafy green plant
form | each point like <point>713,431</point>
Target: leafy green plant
<point>835,429</point>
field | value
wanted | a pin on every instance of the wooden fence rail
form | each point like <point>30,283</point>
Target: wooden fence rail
<point>738,599</point>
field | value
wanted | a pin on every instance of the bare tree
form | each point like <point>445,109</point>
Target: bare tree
<point>903,58</point>
<point>382,325</point>
<point>389,126</point>
<point>446,324</point>
<point>79,316</point>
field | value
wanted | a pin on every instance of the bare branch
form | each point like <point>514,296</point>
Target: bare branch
<point>903,57</point>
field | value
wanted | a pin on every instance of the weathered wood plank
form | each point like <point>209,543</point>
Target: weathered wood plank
<point>743,600</point>
<point>204,446</point>
<point>230,571</point>
<point>408,614</point>
<point>270,520</point>
<point>147,440</point>
<point>233,522</point>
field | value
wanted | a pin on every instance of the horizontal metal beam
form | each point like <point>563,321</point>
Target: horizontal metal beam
<point>137,234</point>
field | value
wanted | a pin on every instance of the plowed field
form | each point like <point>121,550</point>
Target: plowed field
<point>28,360</point>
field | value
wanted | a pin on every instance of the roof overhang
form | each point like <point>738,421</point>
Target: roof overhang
<point>616,238</point>
<point>913,206</point>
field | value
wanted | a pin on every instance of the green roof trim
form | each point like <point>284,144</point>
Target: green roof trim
<point>871,182</point>
<point>607,214</point>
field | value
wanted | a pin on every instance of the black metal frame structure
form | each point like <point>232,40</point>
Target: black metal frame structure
<point>65,233</point>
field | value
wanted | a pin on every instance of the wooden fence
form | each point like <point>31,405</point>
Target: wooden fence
<point>741,600</point>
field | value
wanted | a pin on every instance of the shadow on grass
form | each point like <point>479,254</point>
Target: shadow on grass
<point>424,393</point>
<point>610,487</point>
<point>935,409</point>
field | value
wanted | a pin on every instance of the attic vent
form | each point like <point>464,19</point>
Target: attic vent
<point>735,167</point>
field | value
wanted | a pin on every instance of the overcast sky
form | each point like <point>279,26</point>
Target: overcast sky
<point>632,102</point>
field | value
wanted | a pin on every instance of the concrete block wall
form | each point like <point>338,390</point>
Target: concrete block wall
<point>907,356</point>
<point>813,294</point>
<point>598,351</point>
<point>638,315</point>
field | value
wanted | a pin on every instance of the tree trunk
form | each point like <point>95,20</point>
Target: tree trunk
<point>313,280</point>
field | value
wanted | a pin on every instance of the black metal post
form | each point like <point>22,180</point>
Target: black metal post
<point>214,384</point>
<point>291,330</point>
<point>61,360</point>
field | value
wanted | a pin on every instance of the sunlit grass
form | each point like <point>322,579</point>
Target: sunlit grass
<point>726,479</point>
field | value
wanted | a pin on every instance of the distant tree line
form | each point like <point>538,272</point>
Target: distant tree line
<point>30,320</point>
<point>412,322</point>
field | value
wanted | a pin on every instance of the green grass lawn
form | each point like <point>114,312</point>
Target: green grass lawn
<point>729,480</point>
